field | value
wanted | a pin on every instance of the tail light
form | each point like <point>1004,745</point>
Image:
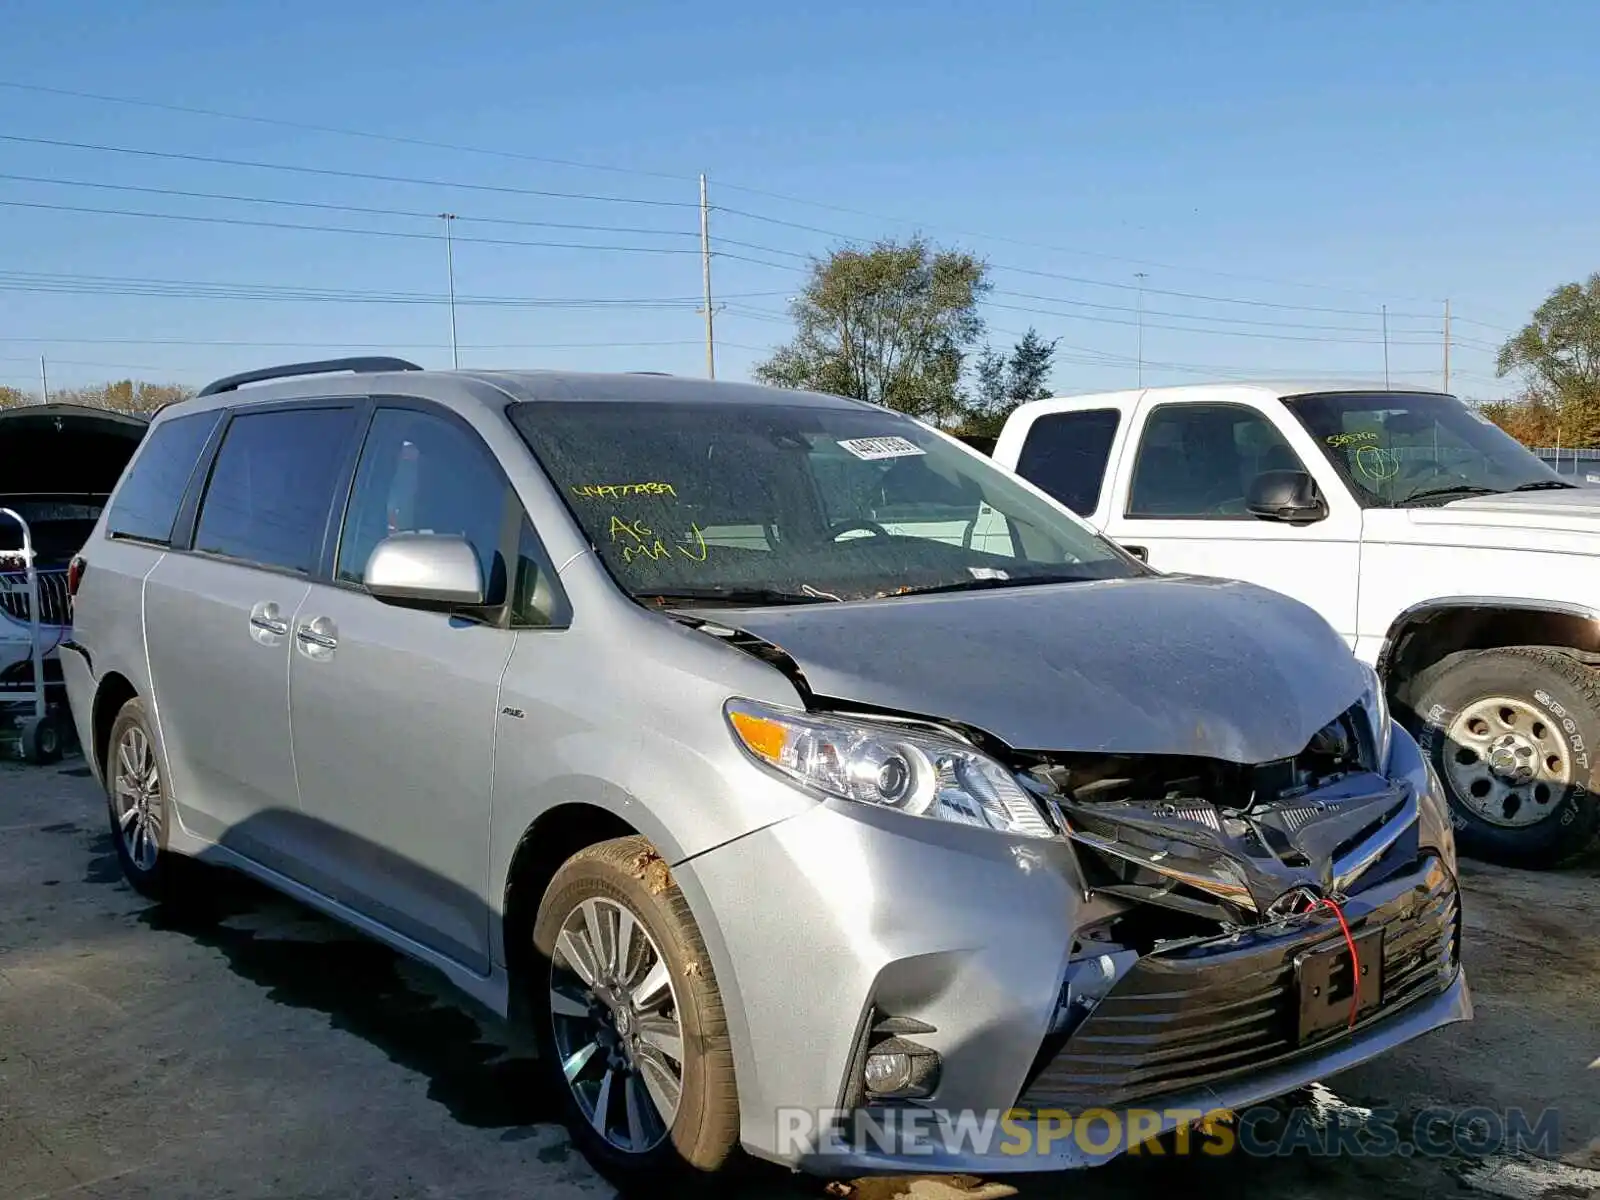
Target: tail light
<point>75,570</point>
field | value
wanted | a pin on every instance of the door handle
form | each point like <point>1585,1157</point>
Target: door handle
<point>1140,552</point>
<point>270,625</point>
<point>309,636</point>
<point>265,618</point>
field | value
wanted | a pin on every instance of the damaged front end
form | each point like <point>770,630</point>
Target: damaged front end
<point>1271,910</point>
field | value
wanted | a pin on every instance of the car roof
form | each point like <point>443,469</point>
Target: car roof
<point>464,388</point>
<point>1274,388</point>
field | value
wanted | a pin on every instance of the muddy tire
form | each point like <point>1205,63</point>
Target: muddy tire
<point>629,1020</point>
<point>1512,734</point>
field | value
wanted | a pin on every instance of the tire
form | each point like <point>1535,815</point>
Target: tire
<point>41,740</point>
<point>1483,751</point>
<point>603,881</point>
<point>141,843</point>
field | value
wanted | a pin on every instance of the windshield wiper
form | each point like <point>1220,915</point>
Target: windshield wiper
<point>1543,485</point>
<point>1454,491</point>
<point>733,595</point>
<point>976,585</point>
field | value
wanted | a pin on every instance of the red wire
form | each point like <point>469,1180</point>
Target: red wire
<point>1355,957</point>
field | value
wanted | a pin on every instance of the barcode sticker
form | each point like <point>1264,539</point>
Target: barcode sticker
<point>871,448</point>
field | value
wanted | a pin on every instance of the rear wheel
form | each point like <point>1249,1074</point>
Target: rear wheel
<point>1510,733</point>
<point>629,1019</point>
<point>41,739</point>
<point>136,798</point>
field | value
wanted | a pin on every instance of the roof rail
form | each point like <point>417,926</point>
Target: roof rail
<point>361,366</point>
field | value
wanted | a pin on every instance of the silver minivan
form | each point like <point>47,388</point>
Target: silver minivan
<point>806,783</point>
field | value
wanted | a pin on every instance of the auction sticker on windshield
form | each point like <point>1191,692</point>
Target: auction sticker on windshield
<point>871,448</point>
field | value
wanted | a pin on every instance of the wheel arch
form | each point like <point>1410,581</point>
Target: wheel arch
<point>114,690</point>
<point>1425,633</point>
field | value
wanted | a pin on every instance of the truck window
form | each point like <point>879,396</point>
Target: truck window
<point>1197,460</point>
<point>1065,454</point>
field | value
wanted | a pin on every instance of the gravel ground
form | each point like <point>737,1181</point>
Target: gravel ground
<point>272,1054</point>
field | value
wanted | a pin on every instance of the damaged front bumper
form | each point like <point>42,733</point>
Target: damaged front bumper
<point>1033,978</point>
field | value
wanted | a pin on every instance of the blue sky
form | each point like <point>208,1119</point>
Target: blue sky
<point>1278,172</point>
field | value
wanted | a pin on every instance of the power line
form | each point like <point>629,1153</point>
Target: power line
<point>332,172</point>
<point>323,206</point>
<point>282,123</point>
<point>349,345</point>
<point>207,219</point>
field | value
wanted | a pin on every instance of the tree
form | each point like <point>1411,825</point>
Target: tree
<point>891,324</point>
<point>1005,381</point>
<point>1557,355</point>
<point>124,395</point>
<point>11,397</point>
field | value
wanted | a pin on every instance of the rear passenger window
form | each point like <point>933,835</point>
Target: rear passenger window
<point>147,503</point>
<point>1065,454</point>
<point>272,486</point>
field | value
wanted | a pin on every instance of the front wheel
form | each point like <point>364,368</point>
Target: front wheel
<point>1511,733</point>
<point>629,1019</point>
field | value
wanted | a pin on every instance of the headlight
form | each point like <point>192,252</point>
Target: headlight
<point>923,775</point>
<point>1375,704</point>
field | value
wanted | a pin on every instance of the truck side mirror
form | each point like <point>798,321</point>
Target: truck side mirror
<point>1288,496</point>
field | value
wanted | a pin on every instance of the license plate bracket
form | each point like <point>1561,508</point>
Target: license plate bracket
<point>1326,984</point>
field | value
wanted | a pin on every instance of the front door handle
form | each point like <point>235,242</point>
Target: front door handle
<point>317,637</point>
<point>1140,552</point>
<point>318,634</point>
<point>270,625</point>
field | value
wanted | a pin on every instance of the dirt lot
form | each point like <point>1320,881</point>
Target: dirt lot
<point>273,1054</point>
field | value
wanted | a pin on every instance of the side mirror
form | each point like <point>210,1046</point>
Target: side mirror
<point>1288,496</point>
<point>425,570</point>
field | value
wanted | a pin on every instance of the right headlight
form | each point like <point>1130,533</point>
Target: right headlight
<point>910,771</point>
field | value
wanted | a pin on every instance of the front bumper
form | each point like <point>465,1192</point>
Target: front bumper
<point>822,919</point>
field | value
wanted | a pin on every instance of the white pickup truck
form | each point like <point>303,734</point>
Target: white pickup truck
<point>1448,556</point>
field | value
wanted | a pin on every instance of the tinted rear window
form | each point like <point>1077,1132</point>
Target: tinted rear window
<point>272,486</point>
<point>1065,454</point>
<point>148,502</point>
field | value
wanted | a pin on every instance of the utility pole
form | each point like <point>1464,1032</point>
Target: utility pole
<point>1141,276</point>
<point>1385,345</point>
<point>1447,345</point>
<point>44,381</point>
<point>450,270</point>
<point>705,275</point>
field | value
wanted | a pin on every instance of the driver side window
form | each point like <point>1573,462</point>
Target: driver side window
<point>1197,461</point>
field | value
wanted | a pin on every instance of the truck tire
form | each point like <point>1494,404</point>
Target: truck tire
<point>1511,733</point>
<point>635,1043</point>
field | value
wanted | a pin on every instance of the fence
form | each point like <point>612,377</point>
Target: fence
<point>1583,465</point>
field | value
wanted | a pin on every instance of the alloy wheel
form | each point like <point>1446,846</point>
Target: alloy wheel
<point>618,1035</point>
<point>136,793</point>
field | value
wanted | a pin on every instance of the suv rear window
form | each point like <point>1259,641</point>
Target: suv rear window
<point>148,501</point>
<point>1065,454</point>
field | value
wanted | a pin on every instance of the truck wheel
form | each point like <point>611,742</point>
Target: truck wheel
<point>629,1019</point>
<point>1510,733</point>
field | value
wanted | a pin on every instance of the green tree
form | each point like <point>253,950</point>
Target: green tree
<point>11,397</point>
<point>891,324</point>
<point>1007,380</point>
<point>1557,355</point>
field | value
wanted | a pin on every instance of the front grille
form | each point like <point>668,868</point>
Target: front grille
<point>1200,1014</point>
<point>55,605</point>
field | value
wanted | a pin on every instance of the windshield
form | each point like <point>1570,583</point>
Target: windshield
<point>791,504</point>
<point>1395,448</point>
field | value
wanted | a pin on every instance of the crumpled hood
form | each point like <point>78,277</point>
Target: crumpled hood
<point>1164,665</point>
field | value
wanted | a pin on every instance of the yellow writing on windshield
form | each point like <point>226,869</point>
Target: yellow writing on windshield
<point>1345,439</point>
<point>640,541</point>
<point>616,491</point>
